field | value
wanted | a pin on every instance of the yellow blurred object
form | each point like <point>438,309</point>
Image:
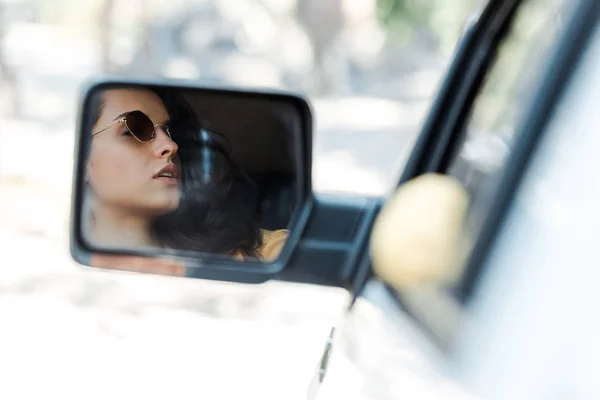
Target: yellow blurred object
<point>418,236</point>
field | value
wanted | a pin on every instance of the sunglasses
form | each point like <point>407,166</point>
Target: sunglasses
<point>139,125</point>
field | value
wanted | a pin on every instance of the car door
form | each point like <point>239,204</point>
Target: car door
<point>487,144</point>
<point>473,139</point>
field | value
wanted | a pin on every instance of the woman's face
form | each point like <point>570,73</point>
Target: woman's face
<point>123,171</point>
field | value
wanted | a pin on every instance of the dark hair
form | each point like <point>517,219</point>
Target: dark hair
<point>219,202</point>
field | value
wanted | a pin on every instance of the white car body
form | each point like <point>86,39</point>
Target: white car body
<point>531,331</point>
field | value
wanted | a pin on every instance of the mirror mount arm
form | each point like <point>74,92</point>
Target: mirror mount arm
<point>334,242</point>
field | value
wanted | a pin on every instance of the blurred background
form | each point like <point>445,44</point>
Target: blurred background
<point>370,67</point>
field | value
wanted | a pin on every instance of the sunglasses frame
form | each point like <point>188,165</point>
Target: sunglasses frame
<point>124,121</point>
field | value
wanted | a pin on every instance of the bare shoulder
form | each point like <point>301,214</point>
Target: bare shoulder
<point>273,242</point>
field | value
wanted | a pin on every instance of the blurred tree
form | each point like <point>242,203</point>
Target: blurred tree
<point>4,83</point>
<point>394,13</point>
<point>9,95</point>
<point>105,22</point>
<point>3,24</point>
<point>147,48</point>
<point>443,18</point>
<point>323,21</point>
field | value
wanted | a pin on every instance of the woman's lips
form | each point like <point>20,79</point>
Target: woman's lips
<point>168,174</point>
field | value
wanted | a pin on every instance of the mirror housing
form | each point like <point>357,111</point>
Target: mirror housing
<point>250,118</point>
<point>327,234</point>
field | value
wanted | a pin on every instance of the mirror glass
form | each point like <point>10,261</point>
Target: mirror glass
<point>201,170</point>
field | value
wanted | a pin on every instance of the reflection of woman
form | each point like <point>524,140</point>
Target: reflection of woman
<point>142,176</point>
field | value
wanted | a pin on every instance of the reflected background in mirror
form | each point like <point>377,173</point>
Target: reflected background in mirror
<point>190,169</point>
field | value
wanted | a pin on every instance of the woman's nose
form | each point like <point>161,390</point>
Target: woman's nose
<point>164,146</point>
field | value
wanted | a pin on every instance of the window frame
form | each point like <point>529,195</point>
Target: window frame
<point>441,136</point>
<point>557,73</point>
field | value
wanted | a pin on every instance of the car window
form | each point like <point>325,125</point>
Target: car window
<point>499,107</point>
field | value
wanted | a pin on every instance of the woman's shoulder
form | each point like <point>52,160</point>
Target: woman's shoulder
<point>273,242</point>
<point>273,235</point>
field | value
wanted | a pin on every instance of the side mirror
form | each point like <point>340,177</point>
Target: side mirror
<point>206,182</point>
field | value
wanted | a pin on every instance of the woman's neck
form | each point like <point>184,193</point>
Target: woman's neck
<point>114,229</point>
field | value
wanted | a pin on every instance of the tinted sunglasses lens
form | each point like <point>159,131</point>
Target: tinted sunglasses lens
<point>140,125</point>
